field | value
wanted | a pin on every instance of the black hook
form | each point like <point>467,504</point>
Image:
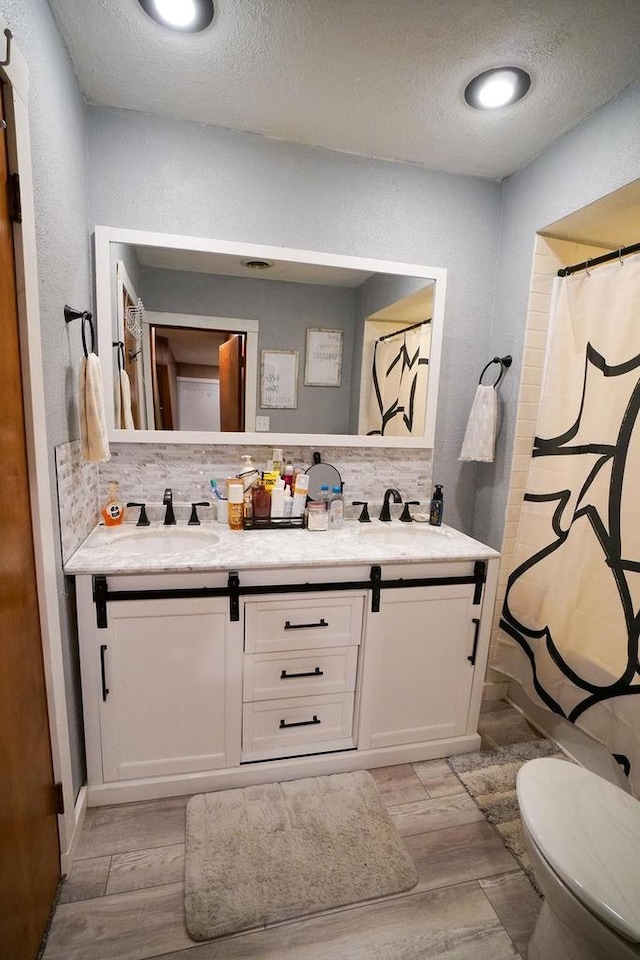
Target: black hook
<point>9,36</point>
<point>120,357</point>
<point>504,362</point>
<point>71,314</point>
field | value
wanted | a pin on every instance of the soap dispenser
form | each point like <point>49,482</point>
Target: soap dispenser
<point>113,510</point>
<point>437,506</point>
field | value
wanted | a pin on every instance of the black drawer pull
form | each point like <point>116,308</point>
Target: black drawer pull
<point>472,658</point>
<point>305,626</point>
<point>294,676</point>
<point>301,723</point>
<point>103,672</point>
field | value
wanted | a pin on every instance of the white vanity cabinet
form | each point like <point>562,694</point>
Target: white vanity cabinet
<point>420,666</point>
<point>200,681</point>
<point>161,682</point>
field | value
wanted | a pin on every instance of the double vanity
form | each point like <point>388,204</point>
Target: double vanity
<point>213,658</point>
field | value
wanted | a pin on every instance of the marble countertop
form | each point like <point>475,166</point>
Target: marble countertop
<point>213,546</point>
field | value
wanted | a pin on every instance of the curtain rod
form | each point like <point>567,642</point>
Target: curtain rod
<point>614,255</point>
<point>397,333</point>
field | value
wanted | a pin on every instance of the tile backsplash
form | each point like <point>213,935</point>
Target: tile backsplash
<point>78,496</point>
<point>145,470</point>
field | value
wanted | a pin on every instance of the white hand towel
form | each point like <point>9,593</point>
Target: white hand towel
<point>480,436</point>
<point>125,401</point>
<point>92,419</point>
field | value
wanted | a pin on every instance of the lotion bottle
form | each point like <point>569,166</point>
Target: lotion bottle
<point>300,494</point>
<point>277,499</point>
<point>235,498</point>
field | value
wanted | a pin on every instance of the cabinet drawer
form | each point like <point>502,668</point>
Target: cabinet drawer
<point>300,673</point>
<point>295,624</point>
<point>289,728</point>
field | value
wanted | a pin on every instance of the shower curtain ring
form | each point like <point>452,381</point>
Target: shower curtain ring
<point>586,267</point>
<point>620,256</point>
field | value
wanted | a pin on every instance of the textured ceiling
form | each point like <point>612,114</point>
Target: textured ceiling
<point>381,78</point>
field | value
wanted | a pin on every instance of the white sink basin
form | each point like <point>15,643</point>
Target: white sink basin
<point>166,540</point>
<point>400,533</point>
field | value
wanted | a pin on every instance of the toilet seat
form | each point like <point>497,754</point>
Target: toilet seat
<point>588,831</point>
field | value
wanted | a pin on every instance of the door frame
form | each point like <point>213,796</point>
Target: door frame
<point>44,513</point>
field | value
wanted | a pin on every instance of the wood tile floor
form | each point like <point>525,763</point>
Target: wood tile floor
<point>124,897</point>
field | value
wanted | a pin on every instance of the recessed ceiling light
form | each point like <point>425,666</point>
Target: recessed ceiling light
<point>496,88</point>
<point>188,16</point>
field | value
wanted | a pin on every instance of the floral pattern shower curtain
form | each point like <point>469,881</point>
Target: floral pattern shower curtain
<point>398,396</point>
<point>571,618</point>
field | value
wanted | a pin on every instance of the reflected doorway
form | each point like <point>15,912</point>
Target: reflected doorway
<point>198,379</point>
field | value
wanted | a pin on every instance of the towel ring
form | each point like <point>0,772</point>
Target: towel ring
<point>504,362</point>
<point>71,314</point>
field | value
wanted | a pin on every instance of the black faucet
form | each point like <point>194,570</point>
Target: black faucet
<point>385,513</point>
<point>169,517</point>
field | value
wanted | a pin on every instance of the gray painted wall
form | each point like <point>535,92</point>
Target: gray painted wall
<point>284,312</point>
<point>58,149</point>
<point>597,157</point>
<point>179,177</point>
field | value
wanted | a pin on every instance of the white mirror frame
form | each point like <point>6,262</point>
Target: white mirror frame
<point>104,283</point>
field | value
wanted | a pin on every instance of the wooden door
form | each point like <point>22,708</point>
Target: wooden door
<point>29,847</point>
<point>231,364</point>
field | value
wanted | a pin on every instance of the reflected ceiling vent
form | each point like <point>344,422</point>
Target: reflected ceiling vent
<point>257,264</point>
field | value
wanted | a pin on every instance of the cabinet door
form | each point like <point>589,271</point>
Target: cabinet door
<point>173,700</point>
<point>417,673</point>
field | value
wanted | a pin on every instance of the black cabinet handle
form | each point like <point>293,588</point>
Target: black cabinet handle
<point>472,658</point>
<point>305,626</point>
<point>103,672</point>
<point>293,676</point>
<point>301,723</point>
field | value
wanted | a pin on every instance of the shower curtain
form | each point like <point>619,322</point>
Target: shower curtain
<point>571,617</point>
<point>397,402</point>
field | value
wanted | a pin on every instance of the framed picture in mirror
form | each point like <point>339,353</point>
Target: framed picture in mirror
<point>323,358</point>
<point>279,379</point>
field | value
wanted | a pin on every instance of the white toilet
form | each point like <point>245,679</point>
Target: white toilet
<point>583,838</point>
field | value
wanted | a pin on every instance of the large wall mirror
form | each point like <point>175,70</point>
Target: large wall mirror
<point>206,341</point>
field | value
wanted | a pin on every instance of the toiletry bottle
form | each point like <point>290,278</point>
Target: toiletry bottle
<point>235,498</point>
<point>287,475</point>
<point>269,478</point>
<point>277,500</point>
<point>287,502</point>
<point>248,471</point>
<point>300,494</point>
<point>437,507</point>
<point>336,509</point>
<point>276,461</point>
<point>113,510</point>
<point>248,504</point>
<point>261,501</point>
<point>324,496</point>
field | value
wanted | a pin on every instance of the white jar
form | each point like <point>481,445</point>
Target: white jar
<point>317,516</point>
